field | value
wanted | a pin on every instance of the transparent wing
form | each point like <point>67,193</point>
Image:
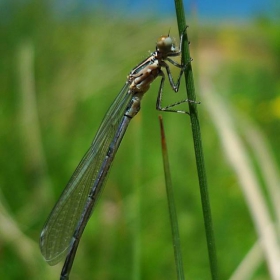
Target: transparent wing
<point>60,226</point>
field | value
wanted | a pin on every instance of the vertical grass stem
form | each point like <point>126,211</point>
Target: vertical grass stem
<point>197,143</point>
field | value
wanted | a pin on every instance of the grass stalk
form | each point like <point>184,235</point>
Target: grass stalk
<point>197,143</point>
<point>136,227</point>
<point>171,206</point>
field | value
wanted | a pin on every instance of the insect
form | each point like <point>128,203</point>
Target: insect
<point>63,230</point>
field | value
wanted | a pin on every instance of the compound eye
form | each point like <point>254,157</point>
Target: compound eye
<point>165,44</point>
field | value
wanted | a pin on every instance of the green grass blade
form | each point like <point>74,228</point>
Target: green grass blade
<point>197,144</point>
<point>171,207</point>
<point>136,207</point>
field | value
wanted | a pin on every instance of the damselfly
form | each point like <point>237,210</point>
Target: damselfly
<point>63,230</point>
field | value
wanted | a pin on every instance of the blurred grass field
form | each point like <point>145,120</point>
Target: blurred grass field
<point>59,76</point>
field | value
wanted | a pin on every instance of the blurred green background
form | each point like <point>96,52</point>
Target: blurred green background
<point>58,77</point>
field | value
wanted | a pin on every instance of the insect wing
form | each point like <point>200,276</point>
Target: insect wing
<point>57,233</point>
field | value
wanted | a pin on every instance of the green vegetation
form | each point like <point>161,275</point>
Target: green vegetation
<point>59,76</point>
